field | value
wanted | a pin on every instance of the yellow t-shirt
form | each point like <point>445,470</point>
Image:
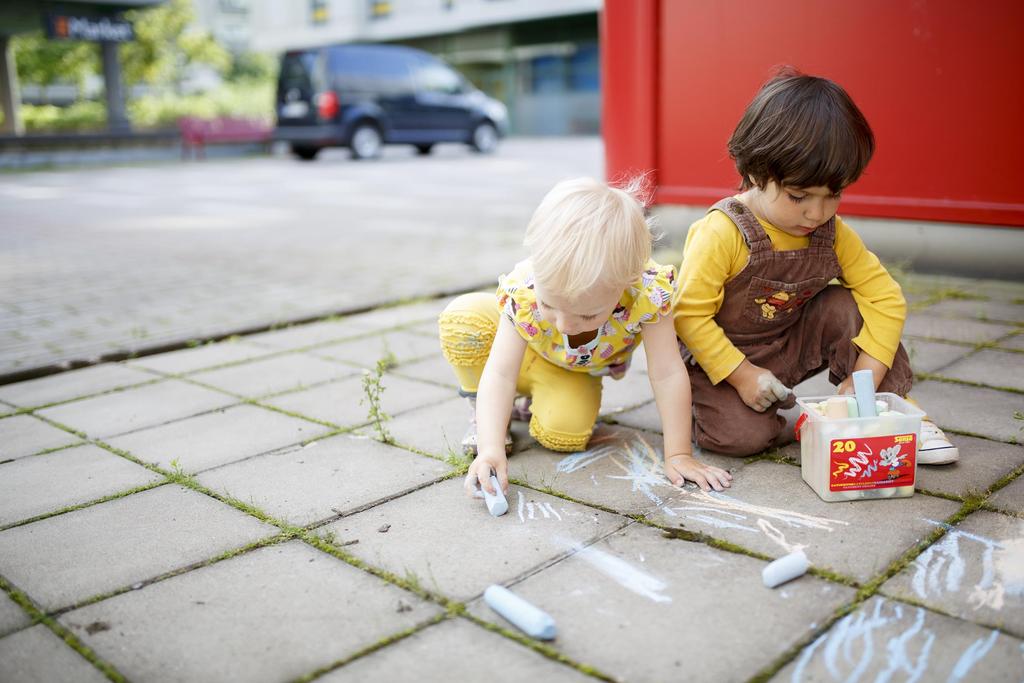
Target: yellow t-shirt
<point>609,353</point>
<point>715,252</point>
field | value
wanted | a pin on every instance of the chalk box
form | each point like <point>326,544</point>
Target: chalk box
<point>861,458</point>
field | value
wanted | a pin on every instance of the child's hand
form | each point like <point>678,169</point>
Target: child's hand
<point>682,466</point>
<point>758,387</point>
<point>479,474</point>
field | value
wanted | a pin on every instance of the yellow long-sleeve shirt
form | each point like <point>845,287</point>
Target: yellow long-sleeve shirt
<point>715,252</point>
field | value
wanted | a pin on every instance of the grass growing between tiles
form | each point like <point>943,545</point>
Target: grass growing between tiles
<point>39,617</point>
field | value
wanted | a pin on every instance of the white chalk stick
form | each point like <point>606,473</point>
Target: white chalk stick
<point>851,407</point>
<point>785,569</point>
<point>496,503</point>
<point>835,407</point>
<point>529,619</point>
<point>864,389</point>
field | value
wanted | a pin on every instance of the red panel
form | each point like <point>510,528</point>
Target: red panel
<point>629,86</point>
<point>939,80</point>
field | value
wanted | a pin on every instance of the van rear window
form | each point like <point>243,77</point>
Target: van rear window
<point>297,71</point>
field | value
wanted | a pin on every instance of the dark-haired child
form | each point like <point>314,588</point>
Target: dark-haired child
<point>759,309</point>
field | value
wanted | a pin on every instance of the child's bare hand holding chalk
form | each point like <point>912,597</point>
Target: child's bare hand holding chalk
<point>682,466</point>
<point>758,387</point>
<point>479,475</point>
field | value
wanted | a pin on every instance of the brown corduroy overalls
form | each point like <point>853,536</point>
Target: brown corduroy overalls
<point>781,313</point>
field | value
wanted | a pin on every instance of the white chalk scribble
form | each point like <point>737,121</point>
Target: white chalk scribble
<point>892,641</point>
<point>942,568</point>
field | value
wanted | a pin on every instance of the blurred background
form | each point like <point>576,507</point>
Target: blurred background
<point>221,57</point>
<point>179,171</point>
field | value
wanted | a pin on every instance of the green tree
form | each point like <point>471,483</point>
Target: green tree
<point>166,43</point>
<point>41,61</point>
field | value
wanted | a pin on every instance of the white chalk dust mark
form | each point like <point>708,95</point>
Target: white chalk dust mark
<point>942,568</point>
<point>625,574</point>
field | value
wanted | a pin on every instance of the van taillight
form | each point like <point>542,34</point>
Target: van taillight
<point>327,105</point>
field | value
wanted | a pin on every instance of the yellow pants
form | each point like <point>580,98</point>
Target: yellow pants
<point>565,403</point>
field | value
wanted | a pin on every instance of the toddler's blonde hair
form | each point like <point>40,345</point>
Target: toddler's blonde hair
<point>587,233</point>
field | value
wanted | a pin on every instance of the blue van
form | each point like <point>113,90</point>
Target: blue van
<point>365,96</point>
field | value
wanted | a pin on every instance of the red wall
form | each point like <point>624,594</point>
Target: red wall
<point>941,82</point>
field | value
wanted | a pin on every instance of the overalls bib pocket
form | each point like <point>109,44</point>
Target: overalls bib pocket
<point>772,302</point>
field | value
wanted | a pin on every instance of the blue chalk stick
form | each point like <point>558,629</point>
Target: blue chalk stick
<point>864,388</point>
<point>496,503</point>
<point>524,616</point>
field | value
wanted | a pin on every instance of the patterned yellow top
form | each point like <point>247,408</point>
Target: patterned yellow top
<point>609,353</point>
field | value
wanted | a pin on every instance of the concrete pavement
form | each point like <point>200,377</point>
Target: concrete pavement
<point>233,512</point>
<point>107,262</point>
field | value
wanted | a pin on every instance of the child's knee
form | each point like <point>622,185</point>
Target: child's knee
<point>466,328</point>
<point>561,435</point>
<point>739,443</point>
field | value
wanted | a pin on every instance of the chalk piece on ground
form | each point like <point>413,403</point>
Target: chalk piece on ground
<point>785,569</point>
<point>527,618</point>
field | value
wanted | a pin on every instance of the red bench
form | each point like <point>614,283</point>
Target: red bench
<point>196,133</point>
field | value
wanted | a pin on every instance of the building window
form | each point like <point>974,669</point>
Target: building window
<point>379,9</point>
<point>318,12</point>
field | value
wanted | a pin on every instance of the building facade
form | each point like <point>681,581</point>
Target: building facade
<point>540,57</point>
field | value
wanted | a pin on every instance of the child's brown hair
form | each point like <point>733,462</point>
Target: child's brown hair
<point>801,131</point>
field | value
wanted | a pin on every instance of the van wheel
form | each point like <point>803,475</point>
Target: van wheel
<point>485,138</point>
<point>305,153</point>
<point>366,141</point>
<point>424,150</point>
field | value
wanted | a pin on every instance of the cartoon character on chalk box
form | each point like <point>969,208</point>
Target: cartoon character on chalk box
<point>893,459</point>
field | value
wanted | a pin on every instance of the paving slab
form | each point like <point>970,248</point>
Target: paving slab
<point>401,345</point>
<point>438,429</point>
<point>311,334</point>
<point>458,549</point>
<point>326,478</point>
<point>73,384</point>
<point>22,435</point>
<point>434,369</point>
<point>273,614</point>
<point>640,607</point>
<point>1014,342</point>
<point>200,357</point>
<point>46,483</point>
<point>958,330</point>
<point>62,560</point>
<point>975,572</point>
<point>770,509</point>
<point>342,403</point>
<point>274,375</point>
<point>135,408</point>
<point>982,463</point>
<point>621,394</point>
<point>218,437</point>
<point>407,314</point>
<point>885,640</point>
<point>996,311</point>
<point>36,655</point>
<point>1001,369</point>
<point>12,616</point>
<point>929,356</point>
<point>645,417</point>
<point>976,410</point>
<point>1011,497</point>
<point>622,470</point>
<point>442,653</point>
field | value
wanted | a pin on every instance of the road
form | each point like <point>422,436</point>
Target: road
<point>95,262</point>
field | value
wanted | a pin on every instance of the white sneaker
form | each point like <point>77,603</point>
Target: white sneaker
<point>469,440</point>
<point>935,447</point>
